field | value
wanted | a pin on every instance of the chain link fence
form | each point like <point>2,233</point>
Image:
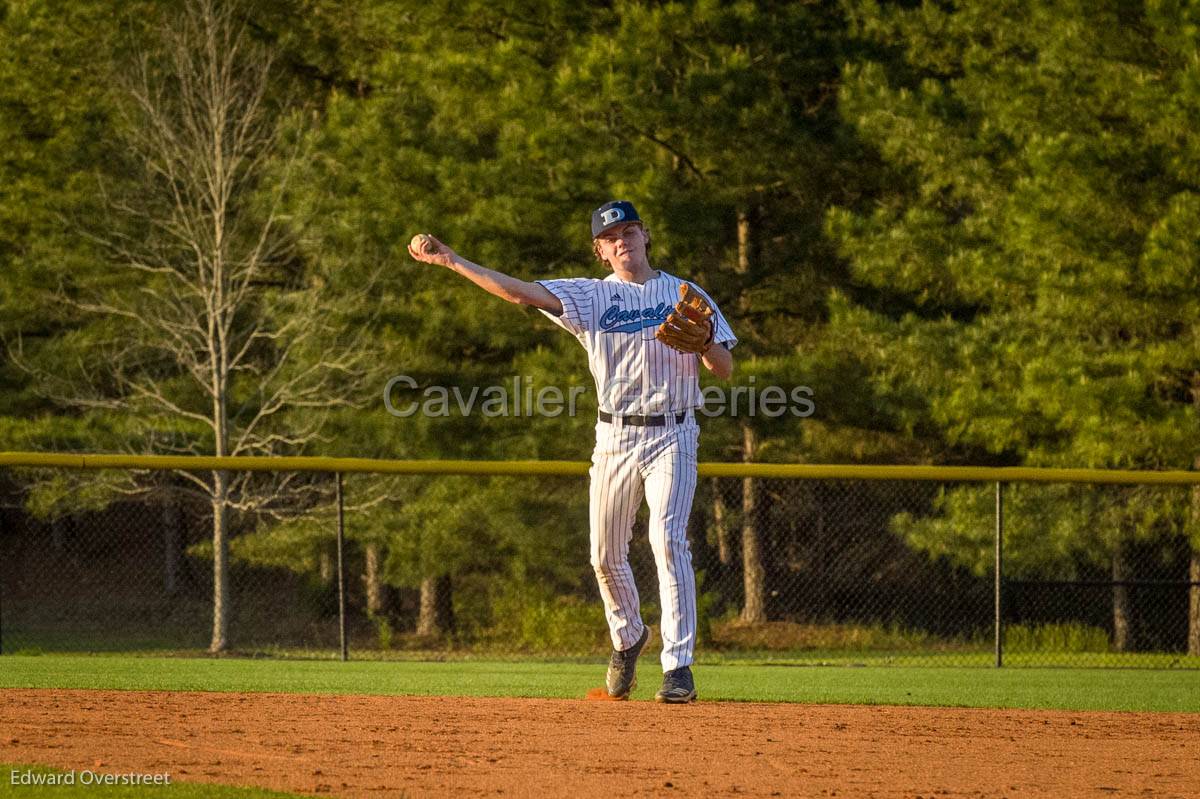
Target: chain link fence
<point>815,571</point>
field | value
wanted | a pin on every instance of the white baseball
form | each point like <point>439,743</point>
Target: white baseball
<point>423,242</point>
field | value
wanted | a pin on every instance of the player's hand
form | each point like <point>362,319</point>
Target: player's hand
<point>428,250</point>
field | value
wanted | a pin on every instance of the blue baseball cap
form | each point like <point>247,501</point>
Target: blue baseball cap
<point>611,214</point>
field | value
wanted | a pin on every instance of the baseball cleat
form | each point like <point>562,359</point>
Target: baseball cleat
<point>678,688</point>
<point>622,668</point>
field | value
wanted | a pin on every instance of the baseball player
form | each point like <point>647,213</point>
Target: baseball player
<point>646,333</point>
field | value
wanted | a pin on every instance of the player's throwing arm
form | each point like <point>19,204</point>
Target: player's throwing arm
<point>429,250</point>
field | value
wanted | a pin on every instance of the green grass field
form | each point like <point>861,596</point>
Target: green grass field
<point>1057,688</point>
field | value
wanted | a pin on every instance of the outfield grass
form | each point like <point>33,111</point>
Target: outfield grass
<point>176,790</point>
<point>1068,689</point>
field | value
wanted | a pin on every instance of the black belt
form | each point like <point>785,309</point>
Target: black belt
<point>643,421</point>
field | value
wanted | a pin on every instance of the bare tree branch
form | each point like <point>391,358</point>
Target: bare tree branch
<point>211,357</point>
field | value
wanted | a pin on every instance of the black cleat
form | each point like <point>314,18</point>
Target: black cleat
<point>622,668</point>
<point>678,688</point>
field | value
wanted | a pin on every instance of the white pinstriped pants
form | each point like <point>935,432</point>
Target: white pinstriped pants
<point>661,463</point>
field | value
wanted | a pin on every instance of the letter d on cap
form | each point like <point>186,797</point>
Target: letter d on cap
<point>611,215</point>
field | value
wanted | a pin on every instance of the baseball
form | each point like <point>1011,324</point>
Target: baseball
<point>423,242</point>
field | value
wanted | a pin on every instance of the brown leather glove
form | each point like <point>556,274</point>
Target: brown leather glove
<point>688,328</point>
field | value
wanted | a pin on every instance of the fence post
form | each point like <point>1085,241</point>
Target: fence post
<point>2,530</point>
<point>341,570</point>
<point>999,571</point>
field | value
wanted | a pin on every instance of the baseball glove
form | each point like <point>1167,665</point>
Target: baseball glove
<point>688,328</point>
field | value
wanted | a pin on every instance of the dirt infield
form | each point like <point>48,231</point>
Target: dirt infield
<point>411,746</point>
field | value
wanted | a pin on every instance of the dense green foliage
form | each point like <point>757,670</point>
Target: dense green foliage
<point>1042,223</point>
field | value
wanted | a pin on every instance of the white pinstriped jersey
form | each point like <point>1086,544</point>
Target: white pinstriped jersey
<point>615,321</point>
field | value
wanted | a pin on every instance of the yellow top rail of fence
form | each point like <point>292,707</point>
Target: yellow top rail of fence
<point>794,471</point>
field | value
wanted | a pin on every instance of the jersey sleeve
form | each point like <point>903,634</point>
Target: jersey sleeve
<point>576,295</point>
<point>722,332</point>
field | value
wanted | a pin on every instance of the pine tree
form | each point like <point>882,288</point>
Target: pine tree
<point>1043,233</point>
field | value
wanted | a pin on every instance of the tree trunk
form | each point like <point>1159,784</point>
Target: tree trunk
<point>171,541</point>
<point>743,234</point>
<point>371,580</point>
<point>1120,600</point>
<point>1194,603</point>
<point>721,523</point>
<point>754,611</point>
<point>437,610</point>
<point>221,605</point>
<point>6,564</point>
<point>427,622</point>
<point>1194,545</point>
<point>220,495</point>
<point>753,578</point>
<point>1193,534</point>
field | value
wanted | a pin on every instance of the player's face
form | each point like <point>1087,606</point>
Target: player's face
<point>623,244</point>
